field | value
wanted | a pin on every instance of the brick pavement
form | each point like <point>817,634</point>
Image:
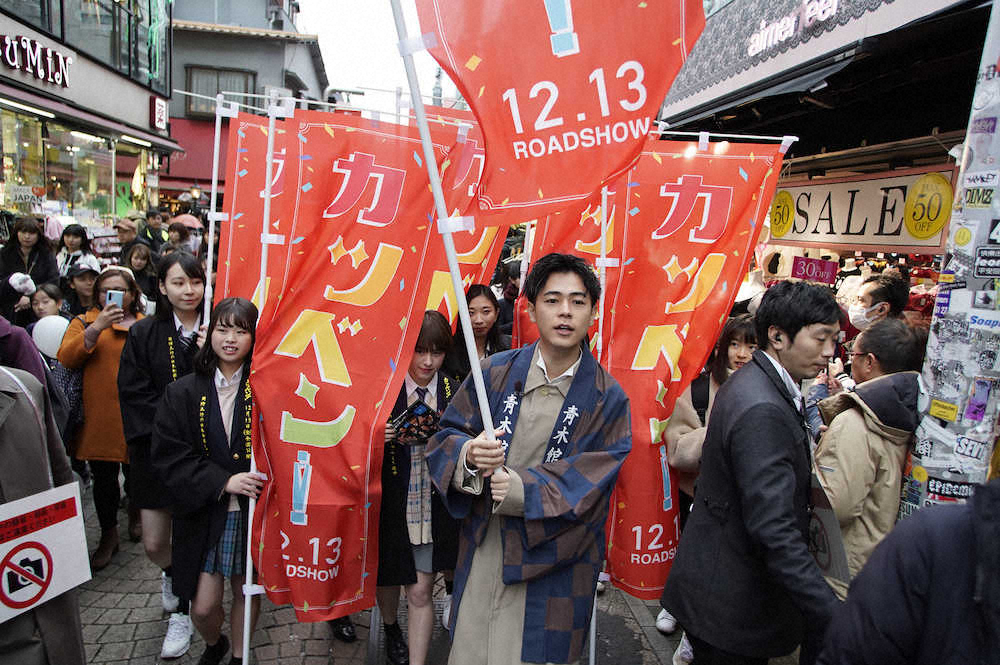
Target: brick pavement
<point>124,623</point>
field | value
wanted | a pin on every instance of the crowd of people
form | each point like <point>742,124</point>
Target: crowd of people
<point>147,395</point>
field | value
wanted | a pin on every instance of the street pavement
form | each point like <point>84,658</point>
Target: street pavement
<point>124,622</point>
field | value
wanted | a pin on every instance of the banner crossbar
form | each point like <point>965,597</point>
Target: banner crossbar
<point>711,135</point>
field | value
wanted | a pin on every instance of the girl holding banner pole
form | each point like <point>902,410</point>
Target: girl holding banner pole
<point>417,536</point>
<point>158,351</point>
<point>201,449</point>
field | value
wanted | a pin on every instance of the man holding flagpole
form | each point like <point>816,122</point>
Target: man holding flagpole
<point>533,503</point>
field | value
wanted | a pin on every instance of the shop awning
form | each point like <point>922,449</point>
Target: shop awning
<point>762,40</point>
<point>87,120</point>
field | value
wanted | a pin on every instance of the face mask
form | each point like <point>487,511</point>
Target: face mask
<point>859,316</point>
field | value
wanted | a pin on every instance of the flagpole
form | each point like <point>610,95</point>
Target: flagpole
<point>222,110</point>
<point>602,270</point>
<point>266,239</point>
<point>442,215</point>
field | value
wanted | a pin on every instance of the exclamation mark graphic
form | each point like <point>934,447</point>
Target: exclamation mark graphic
<point>564,40</point>
<point>301,478</point>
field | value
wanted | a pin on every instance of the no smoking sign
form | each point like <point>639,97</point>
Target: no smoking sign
<point>25,574</point>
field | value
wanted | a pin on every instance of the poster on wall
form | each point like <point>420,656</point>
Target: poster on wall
<point>898,212</point>
<point>955,441</point>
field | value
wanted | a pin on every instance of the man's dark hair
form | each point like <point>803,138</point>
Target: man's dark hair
<point>739,328</point>
<point>554,263</point>
<point>152,212</point>
<point>893,343</point>
<point>891,289</point>
<point>791,306</point>
<point>435,333</point>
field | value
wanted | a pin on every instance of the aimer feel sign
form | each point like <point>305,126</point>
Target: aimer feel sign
<point>30,56</point>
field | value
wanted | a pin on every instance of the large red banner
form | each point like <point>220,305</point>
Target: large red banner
<point>559,87</point>
<point>682,224</point>
<point>356,242</point>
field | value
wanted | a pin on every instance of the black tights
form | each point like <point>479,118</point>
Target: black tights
<point>107,492</point>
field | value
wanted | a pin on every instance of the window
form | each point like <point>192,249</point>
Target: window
<point>210,82</point>
<point>43,14</point>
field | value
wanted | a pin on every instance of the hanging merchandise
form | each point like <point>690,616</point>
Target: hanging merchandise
<point>346,281</point>
<point>565,91</point>
<point>955,440</point>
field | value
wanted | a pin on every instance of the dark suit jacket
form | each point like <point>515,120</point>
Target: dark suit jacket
<point>744,580</point>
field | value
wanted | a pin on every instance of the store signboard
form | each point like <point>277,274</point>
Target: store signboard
<point>24,194</point>
<point>22,53</point>
<point>892,212</point>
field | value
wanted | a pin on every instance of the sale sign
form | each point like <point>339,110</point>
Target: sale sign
<point>815,270</point>
<point>358,241</point>
<point>692,219</point>
<point>564,91</point>
<point>240,236</point>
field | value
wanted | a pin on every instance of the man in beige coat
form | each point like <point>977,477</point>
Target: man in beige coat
<point>860,457</point>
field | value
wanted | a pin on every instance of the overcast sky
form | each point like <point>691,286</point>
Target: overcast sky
<point>358,40</point>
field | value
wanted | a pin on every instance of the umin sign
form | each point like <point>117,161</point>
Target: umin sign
<point>30,56</point>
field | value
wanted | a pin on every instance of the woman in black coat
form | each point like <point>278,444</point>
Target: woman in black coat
<point>201,449</point>
<point>26,252</point>
<point>483,312</point>
<point>417,536</point>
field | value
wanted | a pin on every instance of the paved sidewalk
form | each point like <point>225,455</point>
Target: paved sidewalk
<point>124,622</point>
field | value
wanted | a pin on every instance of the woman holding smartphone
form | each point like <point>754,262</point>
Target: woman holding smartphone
<point>158,351</point>
<point>93,342</point>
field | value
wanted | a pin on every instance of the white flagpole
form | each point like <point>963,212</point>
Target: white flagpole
<point>442,214</point>
<point>602,270</point>
<point>222,110</point>
<point>274,110</point>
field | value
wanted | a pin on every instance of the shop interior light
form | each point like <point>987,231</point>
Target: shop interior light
<point>25,107</point>
<point>87,137</point>
<point>132,139</point>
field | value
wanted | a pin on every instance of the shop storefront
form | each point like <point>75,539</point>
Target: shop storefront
<point>83,114</point>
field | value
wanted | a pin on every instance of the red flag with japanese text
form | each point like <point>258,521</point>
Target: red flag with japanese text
<point>559,87</point>
<point>479,248</point>
<point>692,219</point>
<point>238,266</point>
<point>325,366</point>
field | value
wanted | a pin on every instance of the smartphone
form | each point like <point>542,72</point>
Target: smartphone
<point>115,297</point>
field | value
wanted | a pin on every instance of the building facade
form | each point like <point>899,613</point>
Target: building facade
<point>84,86</point>
<point>232,46</point>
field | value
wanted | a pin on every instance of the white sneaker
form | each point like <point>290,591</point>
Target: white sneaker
<point>178,638</point>
<point>665,622</point>
<point>600,587</point>
<point>170,601</point>
<point>684,654</point>
<point>446,611</point>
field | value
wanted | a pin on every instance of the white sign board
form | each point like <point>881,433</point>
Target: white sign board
<point>43,549</point>
<point>895,213</point>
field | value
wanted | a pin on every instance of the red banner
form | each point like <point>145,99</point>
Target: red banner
<point>357,241</point>
<point>682,227</point>
<point>238,267</point>
<point>692,220</point>
<point>559,87</point>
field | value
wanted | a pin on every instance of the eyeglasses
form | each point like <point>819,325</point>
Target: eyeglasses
<point>857,353</point>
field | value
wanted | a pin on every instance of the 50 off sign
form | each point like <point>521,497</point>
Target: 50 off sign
<point>928,206</point>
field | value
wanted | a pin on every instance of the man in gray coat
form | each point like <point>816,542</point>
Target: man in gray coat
<point>34,461</point>
<point>744,585</point>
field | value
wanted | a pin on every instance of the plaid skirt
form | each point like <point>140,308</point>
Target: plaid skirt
<point>228,556</point>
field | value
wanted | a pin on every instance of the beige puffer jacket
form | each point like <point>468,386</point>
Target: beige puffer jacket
<point>860,460</point>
